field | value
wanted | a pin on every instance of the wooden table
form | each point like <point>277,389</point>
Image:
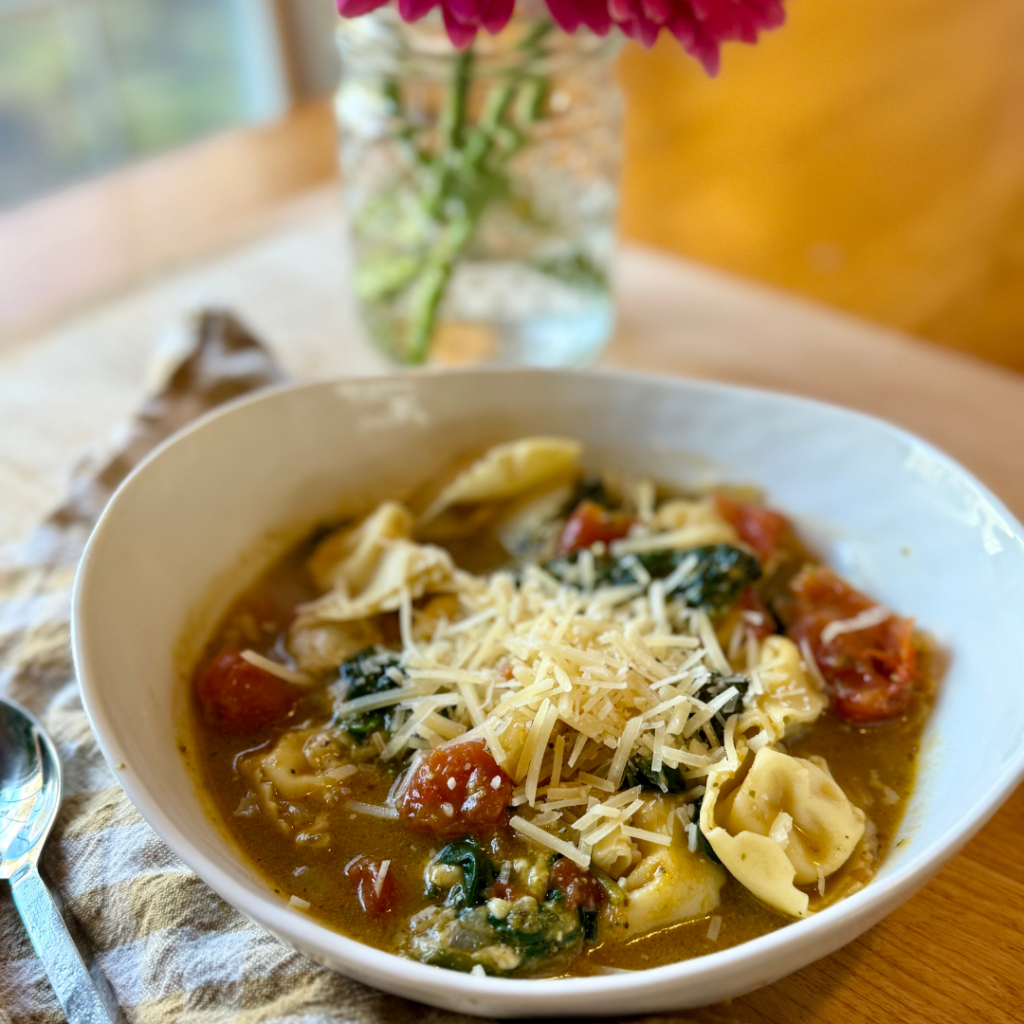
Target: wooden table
<point>952,954</point>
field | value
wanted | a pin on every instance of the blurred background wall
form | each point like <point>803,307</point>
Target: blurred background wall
<point>87,85</point>
<point>869,155</point>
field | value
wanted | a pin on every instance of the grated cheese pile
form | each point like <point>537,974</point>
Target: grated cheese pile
<point>565,686</point>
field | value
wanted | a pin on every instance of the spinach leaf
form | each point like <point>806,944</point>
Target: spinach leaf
<point>640,773</point>
<point>715,685</point>
<point>450,960</point>
<point>590,488</point>
<point>477,872</point>
<point>719,575</point>
<point>527,934</point>
<point>720,572</point>
<point>365,673</point>
<point>588,920</point>
<point>565,569</point>
<point>702,840</point>
<point>540,933</point>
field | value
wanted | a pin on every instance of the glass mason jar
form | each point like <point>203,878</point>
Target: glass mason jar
<point>481,188</point>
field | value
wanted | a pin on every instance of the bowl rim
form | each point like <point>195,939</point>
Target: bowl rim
<point>532,995</point>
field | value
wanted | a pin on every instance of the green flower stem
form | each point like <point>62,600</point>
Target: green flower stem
<point>469,170</point>
<point>454,116</point>
<point>432,284</point>
<point>451,130</point>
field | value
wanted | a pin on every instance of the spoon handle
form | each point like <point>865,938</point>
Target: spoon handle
<point>73,984</point>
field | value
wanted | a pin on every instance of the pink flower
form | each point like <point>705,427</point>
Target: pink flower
<point>462,18</point>
<point>700,25</point>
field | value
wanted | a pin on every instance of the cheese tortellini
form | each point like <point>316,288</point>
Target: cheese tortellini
<point>788,697</point>
<point>365,568</point>
<point>297,767</point>
<point>348,557</point>
<point>670,883</point>
<point>505,471</point>
<point>615,854</point>
<point>321,646</point>
<point>689,523</point>
<point>780,822</point>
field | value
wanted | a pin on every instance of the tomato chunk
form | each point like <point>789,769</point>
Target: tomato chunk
<point>872,671</point>
<point>505,891</point>
<point>238,697</point>
<point>374,884</point>
<point>760,623</point>
<point>764,530</point>
<point>590,523</point>
<point>580,888</point>
<point>456,790</point>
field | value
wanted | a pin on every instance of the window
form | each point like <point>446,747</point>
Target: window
<point>86,85</point>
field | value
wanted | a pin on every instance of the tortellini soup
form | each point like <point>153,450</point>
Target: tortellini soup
<point>535,721</point>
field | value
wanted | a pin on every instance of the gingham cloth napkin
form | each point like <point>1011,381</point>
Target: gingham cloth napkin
<point>170,948</point>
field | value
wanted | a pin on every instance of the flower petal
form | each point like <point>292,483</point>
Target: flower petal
<point>460,35</point>
<point>498,14</point>
<point>570,14</point>
<point>621,11</point>
<point>658,11</point>
<point>466,12</point>
<point>697,43</point>
<point>701,26</point>
<point>642,29</point>
<point>357,8</point>
<point>413,10</point>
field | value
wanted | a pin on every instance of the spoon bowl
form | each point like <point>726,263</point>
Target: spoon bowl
<point>30,784</point>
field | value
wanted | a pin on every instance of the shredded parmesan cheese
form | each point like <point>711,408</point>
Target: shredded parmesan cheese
<point>691,837</point>
<point>538,835</point>
<point>287,674</point>
<point>373,810</point>
<point>867,619</point>
<point>811,665</point>
<point>781,827</point>
<point>378,882</point>
<point>573,689</point>
<point>647,836</point>
<point>758,740</point>
<point>556,764</point>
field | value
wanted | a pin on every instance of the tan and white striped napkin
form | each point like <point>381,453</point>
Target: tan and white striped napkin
<point>170,948</point>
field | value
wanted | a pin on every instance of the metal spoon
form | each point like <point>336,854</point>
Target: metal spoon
<point>29,798</point>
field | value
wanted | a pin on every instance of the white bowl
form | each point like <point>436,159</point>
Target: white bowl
<point>895,516</point>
